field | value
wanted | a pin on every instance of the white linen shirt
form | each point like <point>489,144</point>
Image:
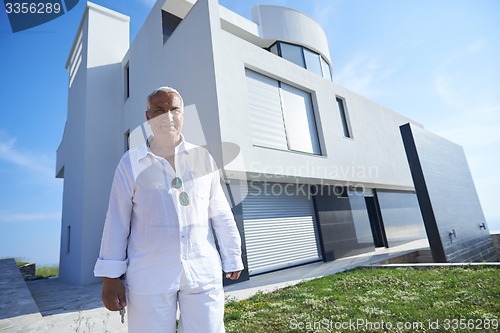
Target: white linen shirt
<point>151,237</point>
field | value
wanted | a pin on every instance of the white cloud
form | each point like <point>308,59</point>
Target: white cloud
<point>476,46</point>
<point>364,73</point>
<point>35,162</point>
<point>471,117</point>
<point>475,128</point>
<point>466,85</point>
<point>6,217</point>
<point>148,3</point>
<point>324,12</point>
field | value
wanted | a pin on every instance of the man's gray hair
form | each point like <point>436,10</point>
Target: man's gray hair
<point>167,90</point>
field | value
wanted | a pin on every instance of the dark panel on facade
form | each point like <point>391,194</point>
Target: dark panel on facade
<point>401,216</point>
<point>453,218</point>
<point>343,224</point>
<point>233,193</point>
<point>375,217</point>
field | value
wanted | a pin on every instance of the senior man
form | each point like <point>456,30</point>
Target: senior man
<point>158,249</point>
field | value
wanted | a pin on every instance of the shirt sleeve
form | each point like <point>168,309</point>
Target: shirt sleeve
<point>112,261</point>
<point>224,226</point>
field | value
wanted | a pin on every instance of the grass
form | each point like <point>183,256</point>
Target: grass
<point>47,271</point>
<point>453,299</point>
<point>21,263</point>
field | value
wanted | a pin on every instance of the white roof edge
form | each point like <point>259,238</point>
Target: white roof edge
<point>237,20</point>
<point>289,8</point>
<point>97,8</point>
<point>108,12</point>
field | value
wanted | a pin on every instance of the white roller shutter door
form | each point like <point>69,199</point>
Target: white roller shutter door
<point>264,104</point>
<point>279,227</point>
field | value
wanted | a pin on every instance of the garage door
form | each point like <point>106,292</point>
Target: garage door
<point>279,227</point>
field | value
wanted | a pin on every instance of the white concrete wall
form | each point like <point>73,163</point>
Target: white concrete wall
<point>376,141</point>
<point>207,65</point>
<point>290,25</point>
<point>90,140</point>
<point>184,62</point>
<point>72,161</point>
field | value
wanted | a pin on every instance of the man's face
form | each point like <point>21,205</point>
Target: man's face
<point>165,115</point>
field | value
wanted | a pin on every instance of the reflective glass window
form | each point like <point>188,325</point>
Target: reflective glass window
<point>313,62</point>
<point>327,74</point>
<point>274,49</point>
<point>292,53</point>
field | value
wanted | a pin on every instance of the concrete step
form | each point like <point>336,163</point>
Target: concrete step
<point>424,259</point>
<point>424,256</point>
<point>18,310</point>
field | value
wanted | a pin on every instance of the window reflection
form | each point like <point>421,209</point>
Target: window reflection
<point>303,57</point>
<point>292,53</point>
<point>401,217</point>
<point>313,62</point>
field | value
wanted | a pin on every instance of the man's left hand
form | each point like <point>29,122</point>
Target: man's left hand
<point>233,275</point>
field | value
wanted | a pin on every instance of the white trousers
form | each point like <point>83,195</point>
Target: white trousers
<point>201,310</point>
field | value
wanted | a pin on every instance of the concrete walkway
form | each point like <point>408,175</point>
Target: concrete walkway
<point>65,308</point>
<point>18,311</point>
<point>287,277</point>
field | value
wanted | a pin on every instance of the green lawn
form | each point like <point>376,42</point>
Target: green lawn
<point>47,271</point>
<point>447,299</point>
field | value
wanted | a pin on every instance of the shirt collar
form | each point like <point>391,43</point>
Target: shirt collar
<point>145,149</point>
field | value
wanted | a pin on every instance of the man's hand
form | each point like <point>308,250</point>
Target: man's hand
<point>113,294</point>
<point>233,275</point>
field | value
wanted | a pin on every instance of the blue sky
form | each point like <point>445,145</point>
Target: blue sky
<point>436,62</point>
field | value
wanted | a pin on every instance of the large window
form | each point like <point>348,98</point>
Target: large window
<point>303,57</point>
<point>282,116</point>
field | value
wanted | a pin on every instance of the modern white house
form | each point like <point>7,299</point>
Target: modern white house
<point>321,172</point>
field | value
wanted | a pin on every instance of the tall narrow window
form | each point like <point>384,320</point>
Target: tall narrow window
<point>127,81</point>
<point>126,142</point>
<point>169,24</point>
<point>343,117</point>
<point>68,243</point>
